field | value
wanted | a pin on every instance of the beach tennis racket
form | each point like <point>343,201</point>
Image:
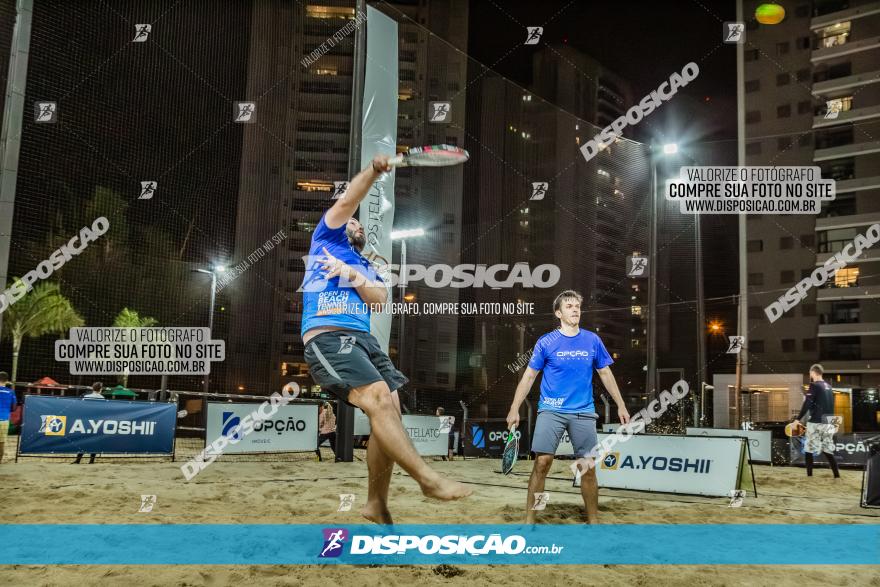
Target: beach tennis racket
<point>511,451</point>
<point>430,156</point>
<point>794,430</point>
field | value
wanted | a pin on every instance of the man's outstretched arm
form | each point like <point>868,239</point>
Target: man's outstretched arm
<point>610,384</point>
<point>345,207</point>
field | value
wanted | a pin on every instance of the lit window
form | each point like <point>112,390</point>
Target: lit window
<point>839,104</point>
<point>404,94</point>
<point>283,369</point>
<point>325,71</point>
<point>314,186</point>
<point>636,310</point>
<point>834,35</point>
<point>634,343</point>
<point>847,277</point>
<point>313,11</point>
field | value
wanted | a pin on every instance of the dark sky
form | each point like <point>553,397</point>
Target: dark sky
<point>642,41</point>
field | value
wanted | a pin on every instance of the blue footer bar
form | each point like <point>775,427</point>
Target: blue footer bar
<point>430,544</point>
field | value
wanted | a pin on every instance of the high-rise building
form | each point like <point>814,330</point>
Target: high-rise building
<point>298,148</point>
<point>589,221</point>
<point>812,95</point>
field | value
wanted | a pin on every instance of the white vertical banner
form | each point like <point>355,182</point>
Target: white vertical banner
<point>379,137</point>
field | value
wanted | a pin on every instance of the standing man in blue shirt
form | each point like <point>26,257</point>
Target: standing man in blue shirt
<point>339,288</point>
<point>7,405</point>
<point>567,357</point>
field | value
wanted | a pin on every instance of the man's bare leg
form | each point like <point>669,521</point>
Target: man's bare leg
<point>590,490</point>
<point>380,469</point>
<point>386,428</point>
<point>536,483</point>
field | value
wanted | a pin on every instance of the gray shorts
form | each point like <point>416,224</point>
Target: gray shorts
<point>549,428</point>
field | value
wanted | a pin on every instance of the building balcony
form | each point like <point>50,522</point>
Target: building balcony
<point>845,49</point>
<point>853,150</point>
<point>853,366</point>
<point>853,220</point>
<point>846,82</point>
<point>858,184</point>
<point>857,329</point>
<point>867,256</point>
<point>832,18</point>
<point>847,116</point>
<point>838,294</point>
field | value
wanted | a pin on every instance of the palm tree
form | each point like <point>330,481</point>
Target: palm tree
<point>44,310</point>
<point>131,319</point>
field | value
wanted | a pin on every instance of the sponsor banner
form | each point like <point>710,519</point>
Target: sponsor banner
<point>293,427</point>
<point>433,544</point>
<point>76,425</point>
<point>424,431</point>
<point>852,450</point>
<point>695,465</point>
<point>486,438</point>
<point>871,477</point>
<point>759,440</point>
<point>361,423</point>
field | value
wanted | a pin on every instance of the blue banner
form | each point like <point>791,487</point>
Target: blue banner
<point>228,544</point>
<point>76,425</point>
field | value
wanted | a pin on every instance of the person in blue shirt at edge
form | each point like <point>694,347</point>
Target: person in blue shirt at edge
<point>567,357</point>
<point>7,405</point>
<point>339,288</point>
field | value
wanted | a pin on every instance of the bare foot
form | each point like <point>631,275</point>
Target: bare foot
<point>377,513</point>
<point>446,489</point>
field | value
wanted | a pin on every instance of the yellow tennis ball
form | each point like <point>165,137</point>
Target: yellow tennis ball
<point>769,13</point>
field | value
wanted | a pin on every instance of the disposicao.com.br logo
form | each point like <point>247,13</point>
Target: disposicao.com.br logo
<point>452,544</point>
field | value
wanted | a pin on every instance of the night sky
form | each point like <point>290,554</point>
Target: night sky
<point>643,42</point>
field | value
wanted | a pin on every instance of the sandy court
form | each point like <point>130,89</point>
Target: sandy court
<point>307,491</point>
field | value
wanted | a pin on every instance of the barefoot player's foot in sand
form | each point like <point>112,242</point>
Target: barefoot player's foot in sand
<point>445,489</point>
<point>377,513</point>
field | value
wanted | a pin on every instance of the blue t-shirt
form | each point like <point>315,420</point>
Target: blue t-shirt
<point>568,363</point>
<point>325,303</point>
<point>7,401</point>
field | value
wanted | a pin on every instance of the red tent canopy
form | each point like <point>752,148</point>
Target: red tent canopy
<point>47,383</point>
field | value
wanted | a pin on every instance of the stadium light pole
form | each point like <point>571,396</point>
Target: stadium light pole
<point>213,273</point>
<point>402,235</point>
<point>655,151</point>
<point>669,150</point>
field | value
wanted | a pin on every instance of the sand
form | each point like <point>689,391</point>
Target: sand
<point>305,491</point>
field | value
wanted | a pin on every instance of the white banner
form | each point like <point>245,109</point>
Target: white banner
<point>565,447</point>
<point>673,464</point>
<point>759,440</point>
<point>293,428</point>
<point>361,423</point>
<point>424,431</point>
<point>379,137</point>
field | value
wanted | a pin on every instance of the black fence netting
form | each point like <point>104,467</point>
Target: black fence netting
<point>149,131</point>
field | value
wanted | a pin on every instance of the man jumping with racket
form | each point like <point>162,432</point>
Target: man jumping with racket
<point>567,357</point>
<point>339,288</point>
